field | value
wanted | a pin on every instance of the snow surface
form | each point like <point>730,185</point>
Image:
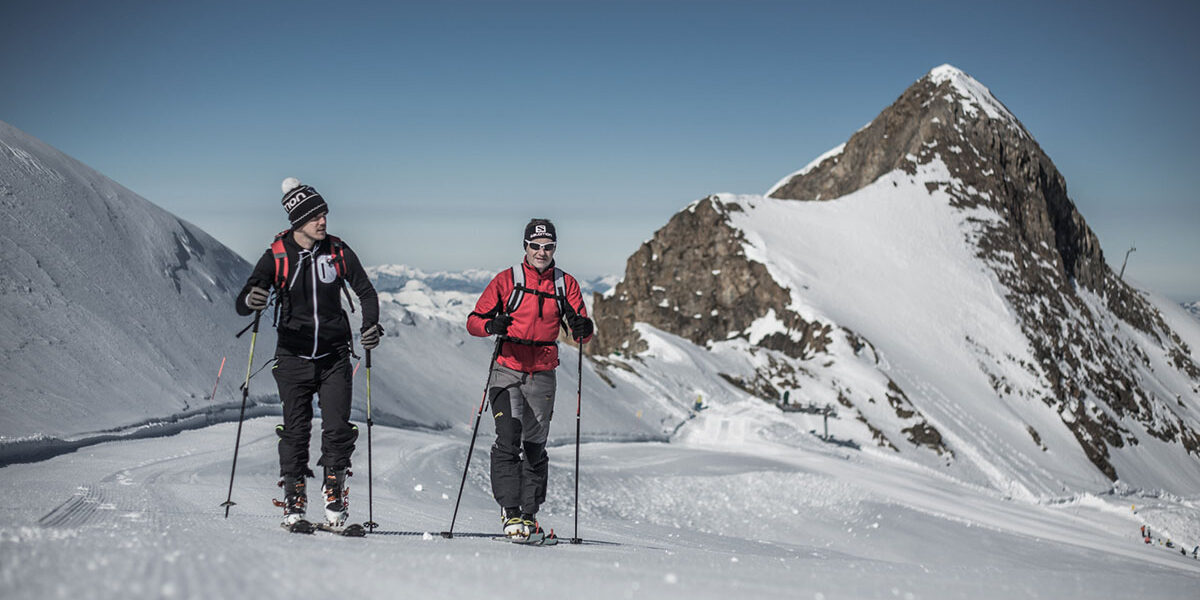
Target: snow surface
<point>711,519</point>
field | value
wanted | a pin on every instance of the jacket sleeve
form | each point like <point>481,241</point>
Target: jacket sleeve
<point>575,301</point>
<point>360,282</point>
<point>489,304</point>
<point>262,276</point>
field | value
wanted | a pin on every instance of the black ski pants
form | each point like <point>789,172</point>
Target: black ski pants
<point>298,379</point>
<point>522,405</point>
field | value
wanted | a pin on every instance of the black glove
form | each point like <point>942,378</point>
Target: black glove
<point>498,325</point>
<point>370,336</point>
<point>256,298</point>
<point>581,327</point>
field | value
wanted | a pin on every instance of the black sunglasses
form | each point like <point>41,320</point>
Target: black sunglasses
<point>536,246</point>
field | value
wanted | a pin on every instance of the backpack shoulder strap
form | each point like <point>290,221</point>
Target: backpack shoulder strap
<point>518,291</point>
<point>281,260</point>
<point>560,293</point>
<point>337,249</point>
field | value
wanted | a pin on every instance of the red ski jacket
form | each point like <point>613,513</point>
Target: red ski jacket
<point>530,344</point>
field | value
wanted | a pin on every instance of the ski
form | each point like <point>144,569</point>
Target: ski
<point>300,526</point>
<point>351,530</point>
<point>535,539</point>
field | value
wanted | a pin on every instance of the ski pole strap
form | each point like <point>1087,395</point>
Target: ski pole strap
<point>265,365</point>
<point>244,330</point>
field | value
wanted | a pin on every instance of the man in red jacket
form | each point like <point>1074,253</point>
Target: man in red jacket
<point>524,305</point>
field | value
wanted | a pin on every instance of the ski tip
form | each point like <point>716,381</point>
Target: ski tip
<point>448,535</point>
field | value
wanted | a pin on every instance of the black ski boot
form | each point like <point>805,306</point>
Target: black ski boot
<point>337,497</point>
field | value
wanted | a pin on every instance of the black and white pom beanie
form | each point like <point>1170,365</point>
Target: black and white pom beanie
<point>301,202</point>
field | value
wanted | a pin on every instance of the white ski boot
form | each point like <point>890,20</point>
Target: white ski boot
<point>514,525</point>
<point>337,497</point>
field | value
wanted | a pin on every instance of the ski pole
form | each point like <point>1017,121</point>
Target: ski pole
<point>370,524</point>
<point>495,354</point>
<point>578,405</point>
<point>245,394</point>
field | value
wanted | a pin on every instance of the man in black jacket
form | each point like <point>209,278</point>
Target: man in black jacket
<point>309,271</point>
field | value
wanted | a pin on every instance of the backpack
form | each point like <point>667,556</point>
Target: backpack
<point>282,268</point>
<point>519,290</point>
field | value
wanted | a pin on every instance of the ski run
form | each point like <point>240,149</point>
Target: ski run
<point>705,519</point>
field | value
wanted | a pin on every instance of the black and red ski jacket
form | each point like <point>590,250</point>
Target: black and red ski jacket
<point>311,320</point>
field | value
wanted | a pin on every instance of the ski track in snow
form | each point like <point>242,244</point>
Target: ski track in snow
<point>141,519</point>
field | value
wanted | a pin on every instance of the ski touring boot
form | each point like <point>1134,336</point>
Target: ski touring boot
<point>295,502</point>
<point>337,500</point>
<point>337,505</point>
<point>514,525</point>
<point>523,528</point>
<point>534,534</point>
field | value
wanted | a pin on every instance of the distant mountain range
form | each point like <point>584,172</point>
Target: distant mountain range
<point>1193,308</point>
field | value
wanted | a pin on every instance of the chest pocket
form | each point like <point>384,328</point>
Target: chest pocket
<point>327,270</point>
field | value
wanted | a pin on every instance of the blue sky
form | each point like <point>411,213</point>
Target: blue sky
<point>435,130</point>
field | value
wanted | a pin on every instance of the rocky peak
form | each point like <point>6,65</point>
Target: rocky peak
<point>694,280</point>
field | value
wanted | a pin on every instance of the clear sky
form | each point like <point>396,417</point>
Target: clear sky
<point>436,130</point>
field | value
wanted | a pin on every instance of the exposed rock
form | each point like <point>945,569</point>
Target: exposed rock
<point>693,279</point>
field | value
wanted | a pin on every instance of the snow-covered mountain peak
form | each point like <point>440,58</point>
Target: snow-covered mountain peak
<point>932,280</point>
<point>971,93</point>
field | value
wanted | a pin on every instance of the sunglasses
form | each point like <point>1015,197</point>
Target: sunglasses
<point>536,246</point>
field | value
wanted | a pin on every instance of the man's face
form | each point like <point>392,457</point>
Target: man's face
<point>315,228</point>
<point>539,252</point>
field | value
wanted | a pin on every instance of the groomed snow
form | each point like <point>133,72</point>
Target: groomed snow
<point>727,516</point>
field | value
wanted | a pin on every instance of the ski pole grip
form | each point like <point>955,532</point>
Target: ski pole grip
<point>368,359</point>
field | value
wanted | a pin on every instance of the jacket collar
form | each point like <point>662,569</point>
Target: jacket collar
<point>290,242</point>
<point>547,274</point>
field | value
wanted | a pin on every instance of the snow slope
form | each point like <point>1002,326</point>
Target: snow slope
<point>896,264</point>
<point>114,311</point>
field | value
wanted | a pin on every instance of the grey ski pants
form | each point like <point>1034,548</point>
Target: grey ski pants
<point>522,404</point>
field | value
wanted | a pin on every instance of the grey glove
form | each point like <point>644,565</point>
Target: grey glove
<point>256,298</point>
<point>370,337</point>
